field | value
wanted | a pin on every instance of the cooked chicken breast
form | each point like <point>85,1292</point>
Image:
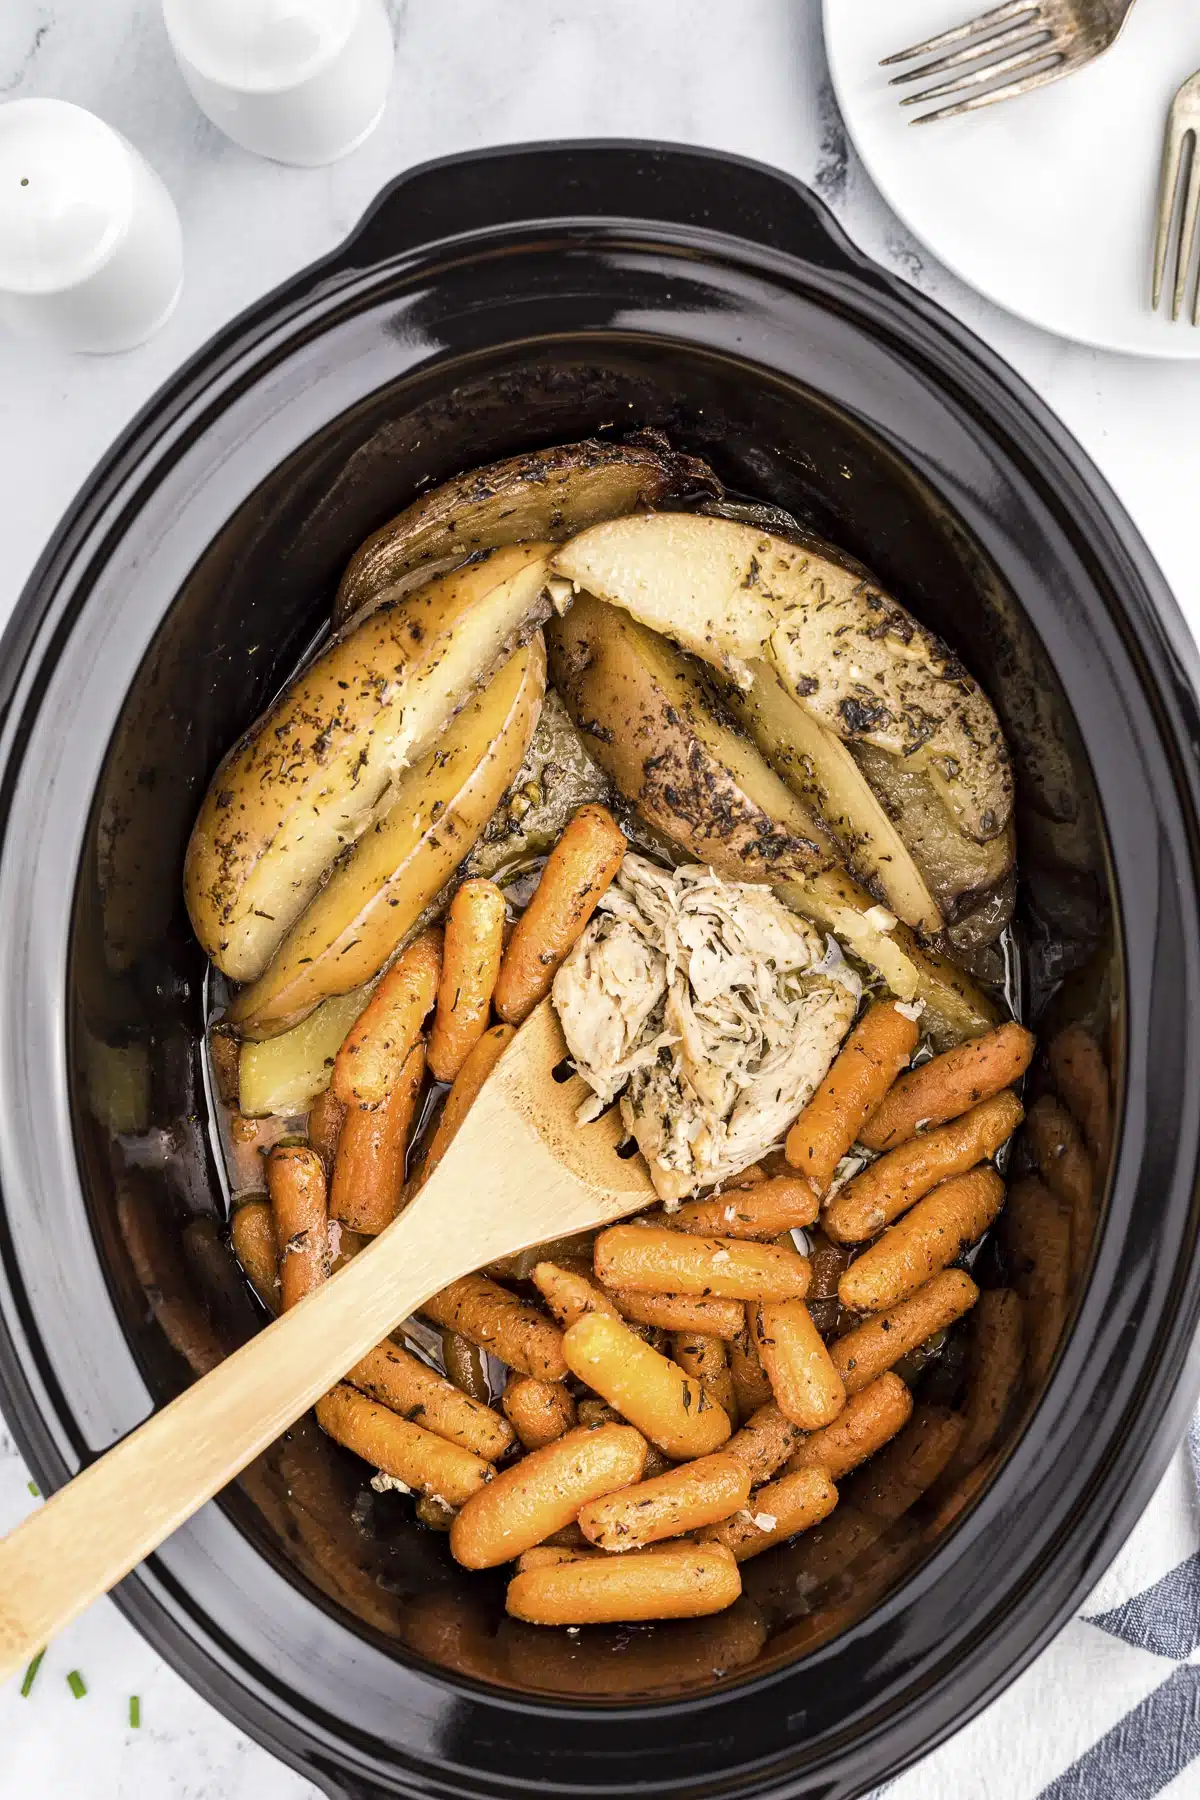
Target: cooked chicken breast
<point>713,1010</point>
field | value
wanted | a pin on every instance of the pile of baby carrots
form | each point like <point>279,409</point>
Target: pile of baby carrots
<point>685,1390</point>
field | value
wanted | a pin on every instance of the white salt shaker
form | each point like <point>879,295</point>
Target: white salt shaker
<point>302,81</point>
<point>91,254</point>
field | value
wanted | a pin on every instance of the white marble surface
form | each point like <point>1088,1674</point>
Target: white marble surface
<point>747,77</point>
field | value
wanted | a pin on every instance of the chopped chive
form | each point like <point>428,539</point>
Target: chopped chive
<point>77,1684</point>
<point>35,1490</point>
<point>135,1711</point>
<point>31,1674</point>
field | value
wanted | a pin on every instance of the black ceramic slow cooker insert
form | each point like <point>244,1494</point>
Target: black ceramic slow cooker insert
<point>487,305</point>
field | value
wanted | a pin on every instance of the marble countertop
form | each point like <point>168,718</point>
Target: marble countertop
<point>749,78</point>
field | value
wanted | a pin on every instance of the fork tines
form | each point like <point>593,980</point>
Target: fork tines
<point>1014,40</point>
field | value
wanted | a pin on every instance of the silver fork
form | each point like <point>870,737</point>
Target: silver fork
<point>1032,42</point>
<point>1183,124</point>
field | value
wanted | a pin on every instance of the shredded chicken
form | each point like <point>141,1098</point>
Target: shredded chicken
<point>712,1009</point>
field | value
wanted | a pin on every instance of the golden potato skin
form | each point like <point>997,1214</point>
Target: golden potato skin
<point>822,771</point>
<point>958,870</point>
<point>858,661</point>
<point>372,900</point>
<point>306,779</point>
<point>651,719</point>
<point>549,494</point>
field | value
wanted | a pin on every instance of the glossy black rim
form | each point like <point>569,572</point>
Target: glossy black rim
<point>1009,1576</point>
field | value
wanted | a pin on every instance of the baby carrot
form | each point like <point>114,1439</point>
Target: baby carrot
<point>927,1239</point>
<point>888,1187</point>
<point>703,1356</point>
<point>995,1363</point>
<point>680,1312</point>
<point>881,1341</point>
<point>296,1184</point>
<point>880,1045</point>
<point>570,1295</point>
<point>488,1315</point>
<point>1037,1232</point>
<point>368,1169</point>
<point>325,1126</point>
<point>869,1420</point>
<point>653,1393</point>
<point>949,1085</point>
<point>764,1210</point>
<point>545,1491</point>
<point>539,1411</point>
<point>912,1462</point>
<point>808,1389</point>
<point>1066,1168</point>
<point>653,1259</point>
<point>369,1062</point>
<point>751,1388</point>
<point>1081,1076</point>
<point>764,1443</point>
<point>579,869</point>
<point>777,1511</point>
<point>419,1458</point>
<point>463,1095</point>
<point>470,965</point>
<point>674,1581</point>
<point>252,1230</point>
<point>694,1494</point>
<point>418,1393</point>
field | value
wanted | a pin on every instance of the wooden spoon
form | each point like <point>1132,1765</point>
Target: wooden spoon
<point>521,1170</point>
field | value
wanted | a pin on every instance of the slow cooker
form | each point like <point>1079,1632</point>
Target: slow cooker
<point>488,304</point>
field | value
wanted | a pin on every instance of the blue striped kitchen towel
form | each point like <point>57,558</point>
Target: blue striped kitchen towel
<point>1111,1711</point>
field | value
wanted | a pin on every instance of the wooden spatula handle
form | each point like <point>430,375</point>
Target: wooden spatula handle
<point>89,1535</point>
<point>519,1171</point>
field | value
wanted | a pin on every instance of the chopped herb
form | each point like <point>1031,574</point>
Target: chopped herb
<point>31,1674</point>
<point>135,1712</point>
<point>77,1684</point>
<point>34,1489</point>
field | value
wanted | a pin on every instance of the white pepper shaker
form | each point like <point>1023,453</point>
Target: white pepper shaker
<point>91,254</point>
<point>301,81</point>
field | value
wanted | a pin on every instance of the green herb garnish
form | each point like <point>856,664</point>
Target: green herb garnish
<point>135,1711</point>
<point>34,1489</point>
<point>77,1684</point>
<point>31,1674</point>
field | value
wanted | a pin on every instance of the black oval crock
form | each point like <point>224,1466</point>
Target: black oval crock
<point>502,300</point>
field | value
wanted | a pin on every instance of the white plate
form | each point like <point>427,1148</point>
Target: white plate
<point>1046,203</point>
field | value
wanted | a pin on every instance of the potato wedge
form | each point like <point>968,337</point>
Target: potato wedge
<point>956,869</point>
<point>821,770</point>
<point>860,664</point>
<point>544,494</point>
<point>955,1007</point>
<point>652,721</point>
<point>285,1074</point>
<point>308,777</point>
<point>373,899</point>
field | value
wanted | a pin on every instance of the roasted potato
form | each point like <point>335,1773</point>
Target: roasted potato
<point>544,494</point>
<point>819,768</point>
<point>957,871</point>
<point>308,778</point>
<point>373,899</point>
<point>860,664</point>
<point>651,720</point>
<point>955,1007</point>
<point>285,1074</point>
